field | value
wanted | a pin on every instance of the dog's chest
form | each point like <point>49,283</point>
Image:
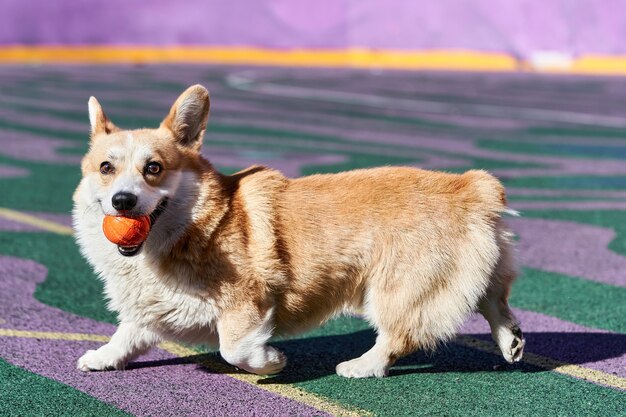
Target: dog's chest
<point>138,295</point>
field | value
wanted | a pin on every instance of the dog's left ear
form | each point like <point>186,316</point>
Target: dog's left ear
<point>187,119</point>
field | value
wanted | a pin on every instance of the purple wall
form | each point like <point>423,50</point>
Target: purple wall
<point>517,27</point>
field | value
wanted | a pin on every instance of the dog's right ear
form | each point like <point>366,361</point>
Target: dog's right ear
<point>99,121</point>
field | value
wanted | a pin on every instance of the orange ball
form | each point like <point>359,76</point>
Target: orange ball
<point>126,231</point>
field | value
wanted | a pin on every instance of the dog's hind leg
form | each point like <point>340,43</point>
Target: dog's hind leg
<point>494,306</point>
<point>394,338</point>
<point>505,328</point>
<point>128,342</point>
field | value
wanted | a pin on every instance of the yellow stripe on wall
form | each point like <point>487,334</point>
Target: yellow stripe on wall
<point>338,58</point>
<point>350,58</point>
<point>596,64</point>
<point>458,60</point>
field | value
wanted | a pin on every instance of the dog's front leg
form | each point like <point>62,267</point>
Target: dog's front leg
<point>243,341</point>
<point>128,342</point>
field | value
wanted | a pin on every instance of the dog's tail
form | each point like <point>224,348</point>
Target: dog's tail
<point>489,192</point>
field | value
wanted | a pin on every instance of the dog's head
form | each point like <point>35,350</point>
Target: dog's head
<point>134,172</point>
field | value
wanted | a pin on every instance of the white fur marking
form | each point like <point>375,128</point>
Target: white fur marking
<point>94,110</point>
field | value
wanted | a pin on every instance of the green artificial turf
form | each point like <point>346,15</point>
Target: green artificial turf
<point>25,394</point>
<point>589,303</point>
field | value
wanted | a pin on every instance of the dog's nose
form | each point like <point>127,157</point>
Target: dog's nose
<point>124,201</point>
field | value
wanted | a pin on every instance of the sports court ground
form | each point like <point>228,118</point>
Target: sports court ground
<point>557,142</point>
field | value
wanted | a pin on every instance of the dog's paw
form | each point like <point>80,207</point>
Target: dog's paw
<point>99,360</point>
<point>512,347</point>
<point>273,363</point>
<point>262,361</point>
<point>361,368</point>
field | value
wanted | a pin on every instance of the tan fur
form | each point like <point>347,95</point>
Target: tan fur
<point>257,254</point>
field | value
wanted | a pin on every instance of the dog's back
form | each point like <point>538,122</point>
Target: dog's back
<point>400,230</point>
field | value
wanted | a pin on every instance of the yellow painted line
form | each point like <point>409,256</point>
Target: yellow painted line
<point>54,335</point>
<point>47,225</point>
<point>284,390</point>
<point>351,58</point>
<point>576,371</point>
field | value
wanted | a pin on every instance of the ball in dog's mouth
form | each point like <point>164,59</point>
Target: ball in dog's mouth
<point>127,250</point>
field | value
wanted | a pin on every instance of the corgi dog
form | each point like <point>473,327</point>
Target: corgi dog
<point>232,260</point>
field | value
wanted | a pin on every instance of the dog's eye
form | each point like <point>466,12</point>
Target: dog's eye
<point>153,168</point>
<point>106,168</point>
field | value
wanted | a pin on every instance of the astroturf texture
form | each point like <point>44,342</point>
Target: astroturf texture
<point>39,396</point>
<point>558,144</point>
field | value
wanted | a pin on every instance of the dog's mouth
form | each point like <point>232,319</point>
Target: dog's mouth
<point>134,250</point>
<point>129,250</point>
<point>160,209</point>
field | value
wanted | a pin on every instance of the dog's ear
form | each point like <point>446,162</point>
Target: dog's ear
<point>187,118</point>
<point>99,121</point>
